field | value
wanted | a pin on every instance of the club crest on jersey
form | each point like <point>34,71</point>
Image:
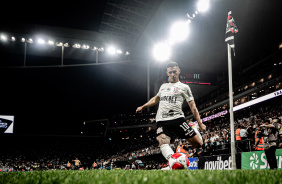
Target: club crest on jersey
<point>159,130</point>
<point>176,90</point>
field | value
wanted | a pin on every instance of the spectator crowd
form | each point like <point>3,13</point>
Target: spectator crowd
<point>46,153</point>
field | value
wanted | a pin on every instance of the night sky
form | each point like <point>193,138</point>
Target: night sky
<point>58,100</point>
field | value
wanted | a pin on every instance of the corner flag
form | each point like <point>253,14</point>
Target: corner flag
<point>231,29</point>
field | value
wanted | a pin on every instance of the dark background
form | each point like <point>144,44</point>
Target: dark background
<point>57,100</point>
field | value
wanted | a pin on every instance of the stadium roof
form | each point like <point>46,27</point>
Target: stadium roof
<point>140,24</point>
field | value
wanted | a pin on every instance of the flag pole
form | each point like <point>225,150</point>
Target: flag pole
<point>233,151</point>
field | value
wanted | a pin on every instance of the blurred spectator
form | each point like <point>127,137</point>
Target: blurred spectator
<point>76,163</point>
<point>243,133</point>
<point>269,132</point>
<point>237,133</point>
<point>259,141</point>
<point>183,147</point>
<point>280,132</point>
<point>94,165</point>
<point>68,165</point>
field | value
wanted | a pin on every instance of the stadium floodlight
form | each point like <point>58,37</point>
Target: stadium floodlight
<point>94,48</point>
<point>111,50</point>
<point>127,53</point>
<point>119,51</point>
<point>179,32</point>
<point>162,51</point>
<point>41,41</point>
<point>203,5</point>
<point>3,37</point>
<point>30,40</point>
<point>66,45</point>
<point>76,46</point>
<point>50,42</point>
<point>101,49</point>
<point>85,46</point>
<point>23,40</point>
<point>59,44</point>
<point>13,38</point>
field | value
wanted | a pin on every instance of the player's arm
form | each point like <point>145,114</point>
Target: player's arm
<point>153,101</point>
<point>196,114</point>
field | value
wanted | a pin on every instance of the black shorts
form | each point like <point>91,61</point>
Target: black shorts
<point>177,126</point>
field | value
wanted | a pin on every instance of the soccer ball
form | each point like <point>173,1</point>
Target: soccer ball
<point>178,161</point>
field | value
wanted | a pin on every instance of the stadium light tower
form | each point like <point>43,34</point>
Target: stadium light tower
<point>203,5</point>
<point>97,50</point>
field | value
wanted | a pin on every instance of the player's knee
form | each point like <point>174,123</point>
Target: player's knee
<point>163,139</point>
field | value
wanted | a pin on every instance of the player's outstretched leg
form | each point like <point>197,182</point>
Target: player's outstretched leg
<point>166,150</point>
<point>195,141</point>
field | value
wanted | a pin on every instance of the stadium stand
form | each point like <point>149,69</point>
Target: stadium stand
<point>47,152</point>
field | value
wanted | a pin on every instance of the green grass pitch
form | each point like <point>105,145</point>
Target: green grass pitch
<point>143,176</point>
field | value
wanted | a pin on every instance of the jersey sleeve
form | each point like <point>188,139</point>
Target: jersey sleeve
<point>188,94</point>
<point>159,93</point>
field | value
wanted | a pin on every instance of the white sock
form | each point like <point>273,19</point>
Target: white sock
<point>166,151</point>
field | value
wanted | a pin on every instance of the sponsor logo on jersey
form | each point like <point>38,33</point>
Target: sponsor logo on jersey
<point>176,90</point>
<point>159,130</point>
<point>170,99</point>
<point>170,113</point>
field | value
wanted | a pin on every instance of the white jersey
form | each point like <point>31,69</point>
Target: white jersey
<point>172,96</point>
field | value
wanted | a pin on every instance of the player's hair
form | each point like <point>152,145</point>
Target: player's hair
<point>171,64</point>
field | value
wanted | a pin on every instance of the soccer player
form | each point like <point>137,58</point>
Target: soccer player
<point>170,117</point>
